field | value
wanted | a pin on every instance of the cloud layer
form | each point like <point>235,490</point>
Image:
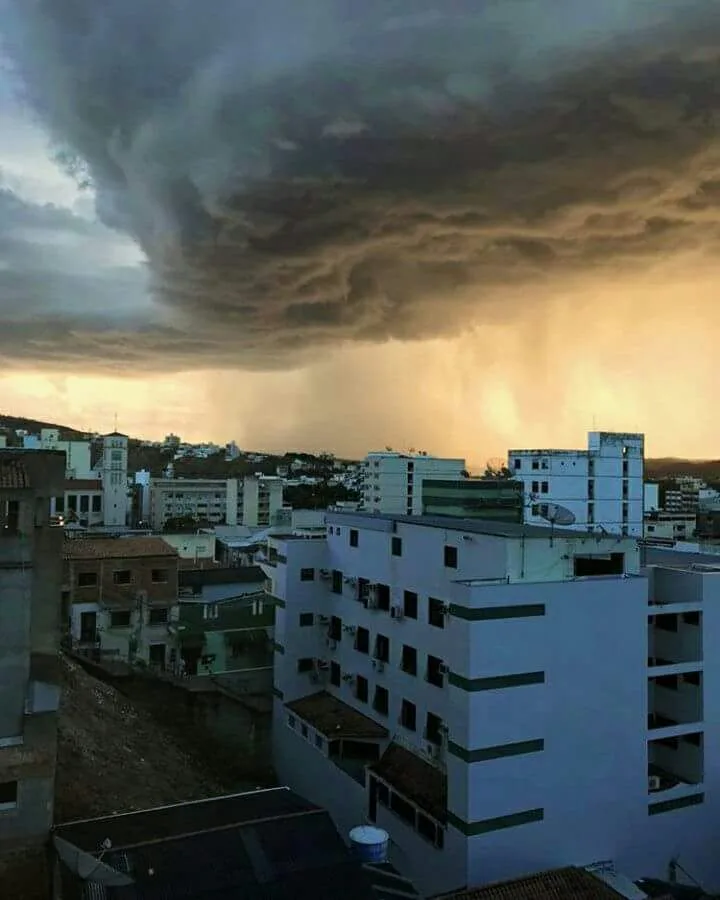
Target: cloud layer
<point>300,174</point>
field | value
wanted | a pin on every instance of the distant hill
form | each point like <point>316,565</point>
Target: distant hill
<point>666,467</point>
<point>15,423</point>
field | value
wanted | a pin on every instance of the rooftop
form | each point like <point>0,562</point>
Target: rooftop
<point>489,527</point>
<point>557,884</point>
<point>13,474</point>
<point>417,780</point>
<point>335,719</point>
<point>117,548</point>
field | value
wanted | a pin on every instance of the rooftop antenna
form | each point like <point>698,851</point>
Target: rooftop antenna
<point>557,515</point>
<point>115,428</point>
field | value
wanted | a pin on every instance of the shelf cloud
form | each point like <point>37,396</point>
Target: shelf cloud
<point>302,174</point>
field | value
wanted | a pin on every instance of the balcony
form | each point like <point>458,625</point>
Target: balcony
<point>675,701</point>
<point>675,639</point>
<point>675,767</point>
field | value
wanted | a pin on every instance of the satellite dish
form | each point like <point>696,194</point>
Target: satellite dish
<point>558,515</point>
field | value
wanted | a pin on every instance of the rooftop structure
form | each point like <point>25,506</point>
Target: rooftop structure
<point>393,482</point>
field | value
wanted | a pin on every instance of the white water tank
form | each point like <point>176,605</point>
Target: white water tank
<point>369,844</point>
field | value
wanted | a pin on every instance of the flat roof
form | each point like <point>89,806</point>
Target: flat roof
<point>490,527</point>
<point>419,781</point>
<point>334,718</point>
<point>677,559</point>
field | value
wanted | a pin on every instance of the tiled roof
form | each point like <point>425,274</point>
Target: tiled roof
<point>13,475</point>
<point>411,776</point>
<point>335,719</point>
<point>117,548</point>
<point>556,884</point>
<point>83,484</point>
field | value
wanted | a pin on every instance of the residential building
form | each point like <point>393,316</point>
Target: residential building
<point>77,453</point>
<point>30,575</point>
<point>119,596</point>
<point>474,498</point>
<point>265,843</point>
<point>601,486</point>
<point>114,471</point>
<point>392,482</point>
<point>193,547</point>
<point>662,526</point>
<point>497,697</point>
<point>81,502</point>
<point>651,494</point>
<point>250,501</point>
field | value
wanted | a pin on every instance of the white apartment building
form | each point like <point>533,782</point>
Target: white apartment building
<point>521,700</point>
<point>602,486</point>
<point>77,453</point>
<point>392,482</point>
<point>253,501</point>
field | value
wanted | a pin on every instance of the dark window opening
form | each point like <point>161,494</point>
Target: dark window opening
<point>667,681</point>
<point>396,546</point>
<point>362,588</point>
<point>434,674</point>
<point>382,648</point>
<point>361,689</point>
<point>362,640</point>
<point>306,619</point>
<point>158,616</point>
<point>436,612</point>
<point>84,503</point>
<point>8,793</point>
<point>307,574</point>
<point>408,715</point>
<point>433,728</point>
<point>408,662</point>
<point>451,557</point>
<point>305,664</point>
<point>97,503</point>
<point>337,582</point>
<point>381,700</point>
<point>691,618</point>
<point>667,622</point>
<point>354,537</point>
<point>691,678</point>
<point>606,564</point>
<point>382,592</point>
<point>87,579</point>
<point>159,576</point>
<point>120,619</point>
<point>335,629</point>
<point>517,463</point>
<point>122,576</point>
<point>335,674</point>
<point>544,487</point>
<point>410,604</point>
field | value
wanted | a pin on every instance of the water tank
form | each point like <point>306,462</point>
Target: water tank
<point>369,844</point>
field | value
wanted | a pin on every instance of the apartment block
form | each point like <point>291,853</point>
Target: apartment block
<point>601,486</point>
<point>30,575</point>
<point>498,697</point>
<point>474,498</point>
<point>120,597</point>
<point>253,501</point>
<point>393,482</point>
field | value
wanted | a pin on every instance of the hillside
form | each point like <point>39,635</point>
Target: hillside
<point>14,423</point>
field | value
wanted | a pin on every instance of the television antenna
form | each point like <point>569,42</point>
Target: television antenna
<point>557,515</point>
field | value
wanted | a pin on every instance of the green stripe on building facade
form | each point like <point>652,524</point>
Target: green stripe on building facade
<point>484,826</point>
<point>669,805</point>
<point>482,754</point>
<point>496,682</point>
<point>489,613</point>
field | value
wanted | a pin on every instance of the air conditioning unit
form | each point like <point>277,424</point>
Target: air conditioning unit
<point>444,669</point>
<point>397,612</point>
<point>323,620</point>
<point>445,609</point>
<point>348,678</point>
<point>654,783</point>
<point>378,665</point>
<point>332,643</point>
<point>350,580</point>
<point>322,665</point>
<point>350,629</point>
<point>371,599</point>
<point>325,574</point>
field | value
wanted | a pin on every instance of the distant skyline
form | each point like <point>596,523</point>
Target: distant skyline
<point>503,287</point>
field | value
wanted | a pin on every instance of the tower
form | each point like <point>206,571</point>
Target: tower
<point>115,479</point>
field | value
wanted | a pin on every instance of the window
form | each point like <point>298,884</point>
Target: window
<point>307,574</point>
<point>210,611</point>
<point>396,546</point>
<point>97,503</point>
<point>543,487</point>
<point>434,673</point>
<point>158,616</point>
<point>122,576</point>
<point>382,648</point>
<point>319,742</point>
<point>305,664</point>
<point>306,619</point>
<point>433,728</point>
<point>159,576</point>
<point>381,700</point>
<point>451,557</point>
<point>591,489</point>
<point>354,537</point>
<point>291,721</point>
<point>361,689</point>
<point>408,715</point>
<point>410,604</point>
<point>87,579</point>
<point>535,509</point>
<point>337,582</point>
<point>591,513</point>
<point>116,456</point>
<point>84,503</point>
<point>120,619</point>
<point>691,618</point>
<point>408,663</point>
<point>304,729</point>
<point>517,463</point>
<point>535,487</point>
<point>362,640</point>
<point>436,612</point>
<point>667,622</point>
<point>335,673</point>
<point>382,593</point>
<point>335,628</point>
<point>8,795</point>
<point>536,464</point>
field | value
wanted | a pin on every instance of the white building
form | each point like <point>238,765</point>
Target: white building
<point>77,453</point>
<point>251,501</point>
<point>521,702</point>
<point>602,486</point>
<point>114,472</point>
<point>392,482</point>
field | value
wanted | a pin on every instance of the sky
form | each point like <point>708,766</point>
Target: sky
<point>324,225</point>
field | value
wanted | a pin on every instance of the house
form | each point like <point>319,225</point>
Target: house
<point>119,596</point>
<point>569,883</point>
<point>262,845</point>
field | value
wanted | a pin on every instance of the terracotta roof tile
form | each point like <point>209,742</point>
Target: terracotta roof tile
<point>117,548</point>
<point>13,475</point>
<point>335,719</point>
<point>557,884</point>
<point>419,781</point>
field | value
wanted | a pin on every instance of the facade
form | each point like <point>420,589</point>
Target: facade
<point>114,470</point>
<point>392,482</point>
<point>498,697</point>
<point>77,453</point>
<point>252,501</point>
<point>81,502</point>
<point>602,486</point>
<point>474,498</point>
<point>662,526</point>
<point>120,595</point>
<point>30,575</point>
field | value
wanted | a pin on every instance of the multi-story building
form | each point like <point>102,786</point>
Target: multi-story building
<point>77,453</point>
<point>474,498</point>
<point>498,697</point>
<point>30,574</point>
<point>114,472</point>
<point>81,502</point>
<point>119,597</point>
<point>252,501</point>
<point>601,486</point>
<point>392,482</point>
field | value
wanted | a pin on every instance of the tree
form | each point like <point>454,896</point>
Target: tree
<point>496,472</point>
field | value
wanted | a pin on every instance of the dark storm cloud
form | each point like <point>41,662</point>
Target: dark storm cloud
<point>300,173</point>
